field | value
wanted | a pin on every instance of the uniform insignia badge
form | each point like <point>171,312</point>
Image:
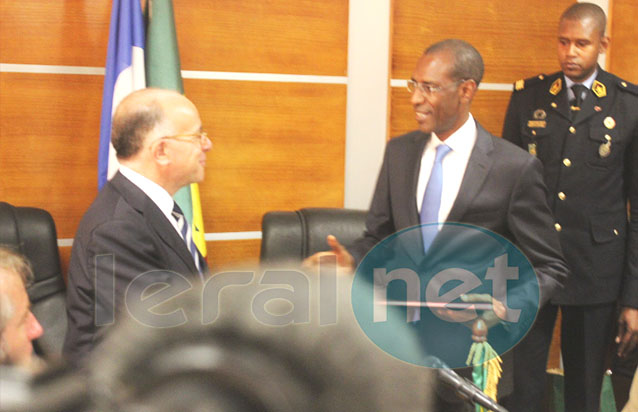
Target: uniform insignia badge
<point>556,86</point>
<point>605,148</point>
<point>599,89</point>
<point>519,85</point>
<point>539,114</point>
<point>537,124</point>
<point>531,148</point>
<point>609,122</point>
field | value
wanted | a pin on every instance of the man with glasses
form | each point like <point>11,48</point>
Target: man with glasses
<point>482,180</point>
<point>134,235</point>
<point>582,123</point>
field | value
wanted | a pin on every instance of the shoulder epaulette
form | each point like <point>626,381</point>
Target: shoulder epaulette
<point>627,86</point>
<point>523,83</point>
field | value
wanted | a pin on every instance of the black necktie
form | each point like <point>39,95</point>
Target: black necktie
<point>578,90</point>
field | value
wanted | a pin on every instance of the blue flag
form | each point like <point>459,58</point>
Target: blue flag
<point>124,74</point>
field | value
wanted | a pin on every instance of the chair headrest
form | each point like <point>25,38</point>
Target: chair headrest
<point>31,232</point>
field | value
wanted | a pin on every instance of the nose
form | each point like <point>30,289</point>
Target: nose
<point>207,144</point>
<point>571,49</point>
<point>417,97</point>
<point>34,329</point>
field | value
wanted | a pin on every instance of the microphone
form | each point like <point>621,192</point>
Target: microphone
<point>464,388</point>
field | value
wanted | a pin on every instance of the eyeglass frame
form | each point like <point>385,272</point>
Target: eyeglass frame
<point>190,137</point>
<point>427,89</point>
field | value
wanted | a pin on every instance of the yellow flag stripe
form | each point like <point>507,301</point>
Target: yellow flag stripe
<point>198,220</point>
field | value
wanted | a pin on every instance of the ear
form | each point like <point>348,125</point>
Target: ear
<point>468,89</point>
<point>160,151</point>
<point>604,44</point>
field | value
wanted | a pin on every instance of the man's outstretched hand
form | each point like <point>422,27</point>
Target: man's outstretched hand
<point>345,260</point>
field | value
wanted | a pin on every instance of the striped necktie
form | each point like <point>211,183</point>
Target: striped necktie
<point>185,230</point>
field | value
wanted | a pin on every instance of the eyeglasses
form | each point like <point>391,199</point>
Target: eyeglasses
<point>199,137</point>
<point>429,89</point>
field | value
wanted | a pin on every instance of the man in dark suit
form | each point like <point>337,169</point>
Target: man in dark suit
<point>486,181</point>
<point>582,123</point>
<point>133,235</point>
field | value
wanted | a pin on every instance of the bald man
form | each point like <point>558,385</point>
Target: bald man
<point>18,326</point>
<point>134,236</point>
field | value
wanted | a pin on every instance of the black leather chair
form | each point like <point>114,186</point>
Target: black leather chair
<point>31,232</point>
<point>293,236</point>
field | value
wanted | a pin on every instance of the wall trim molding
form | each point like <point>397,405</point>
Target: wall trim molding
<point>186,74</point>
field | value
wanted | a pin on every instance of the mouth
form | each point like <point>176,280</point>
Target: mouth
<point>422,116</point>
<point>571,66</point>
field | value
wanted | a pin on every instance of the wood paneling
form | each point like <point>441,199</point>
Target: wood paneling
<point>623,59</point>
<point>275,36</point>
<point>232,254</point>
<point>488,108</point>
<point>69,32</point>
<point>275,146</point>
<point>49,128</point>
<point>516,40</point>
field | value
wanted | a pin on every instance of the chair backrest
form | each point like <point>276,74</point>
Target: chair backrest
<point>293,236</point>
<point>31,232</point>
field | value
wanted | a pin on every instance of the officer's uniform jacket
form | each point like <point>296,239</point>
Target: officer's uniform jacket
<point>590,159</point>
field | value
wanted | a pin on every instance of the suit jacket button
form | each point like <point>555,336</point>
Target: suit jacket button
<point>567,162</point>
<point>616,232</point>
<point>572,129</point>
<point>561,195</point>
<point>558,227</point>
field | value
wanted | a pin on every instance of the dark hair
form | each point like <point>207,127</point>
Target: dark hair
<point>582,11</point>
<point>468,63</point>
<point>130,128</point>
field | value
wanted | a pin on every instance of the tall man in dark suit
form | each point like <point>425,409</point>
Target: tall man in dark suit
<point>134,235</point>
<point>582,123</point>
<point>486,181</point>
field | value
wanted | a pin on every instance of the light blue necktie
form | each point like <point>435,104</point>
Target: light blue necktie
<point>432,198</point>
<point>184,227</point>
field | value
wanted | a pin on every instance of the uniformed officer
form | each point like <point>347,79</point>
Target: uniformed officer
<point>582,123</point>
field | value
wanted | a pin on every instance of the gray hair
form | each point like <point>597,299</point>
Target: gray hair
<point>11,263</point>
<point>468,63</point>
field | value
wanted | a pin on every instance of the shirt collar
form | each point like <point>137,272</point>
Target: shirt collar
<point>462,140</point>
<point>587,83</point>
<point>157,193</point>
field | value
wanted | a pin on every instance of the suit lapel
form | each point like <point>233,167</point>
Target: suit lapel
<point>414,157</point>
<point>559,101</point>
<point>154,217</point>
<point>477,170</point>
<point>588,107</point>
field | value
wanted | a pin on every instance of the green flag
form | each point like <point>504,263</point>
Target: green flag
<point>164,71</point>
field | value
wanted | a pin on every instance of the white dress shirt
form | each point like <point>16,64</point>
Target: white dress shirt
<point>454,164</point>
<point>155,192</point>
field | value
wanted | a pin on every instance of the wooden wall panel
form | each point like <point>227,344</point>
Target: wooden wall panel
<point>488,108</point>
<point>69,32</point>
<point>277,36</point>
<point>233,254</point>
<point>48,146</point>
<point>623,59</point>
<point>275,146</point>
<point>516,39</point>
